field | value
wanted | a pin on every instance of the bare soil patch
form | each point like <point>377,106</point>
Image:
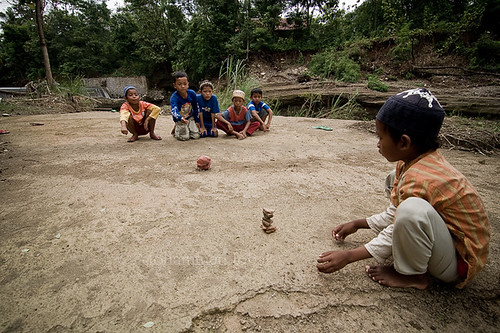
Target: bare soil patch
<point>101,235</point>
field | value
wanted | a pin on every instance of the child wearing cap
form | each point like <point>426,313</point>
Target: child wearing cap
<point>236,119</point>
<point>136,116</point>
<point>184,109</point>
<point>436,224</point>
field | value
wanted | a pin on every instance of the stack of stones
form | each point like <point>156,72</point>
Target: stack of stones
<point>267,221</point>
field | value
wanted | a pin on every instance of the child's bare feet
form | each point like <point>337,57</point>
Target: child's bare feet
<point>388,276</point>
<point>154,136</point>
<point>133,138</point>
<point>239,135</point>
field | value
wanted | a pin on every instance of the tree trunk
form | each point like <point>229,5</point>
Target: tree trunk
<point>46,62</point>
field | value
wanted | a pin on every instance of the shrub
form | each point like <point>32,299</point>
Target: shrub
<point>374,83</point>
<point>486,53</point>
<point>335,64</point>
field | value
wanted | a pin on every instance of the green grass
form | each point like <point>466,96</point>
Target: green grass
<point>233,75</point>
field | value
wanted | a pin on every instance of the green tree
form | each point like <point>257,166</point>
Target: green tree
<point>213,32</point>
<point>20,56</point>
<point>269,14</point>
<point>160,24</point>
<point>80,39</point>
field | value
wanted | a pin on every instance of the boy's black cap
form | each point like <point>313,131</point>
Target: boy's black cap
<point>414,111</point>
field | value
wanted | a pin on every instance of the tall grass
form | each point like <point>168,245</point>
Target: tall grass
<point>314,106</point>
<point>347,110</point>
<point>233,75</point>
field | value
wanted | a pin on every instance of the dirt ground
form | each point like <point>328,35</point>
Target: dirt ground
<point>101,235</point>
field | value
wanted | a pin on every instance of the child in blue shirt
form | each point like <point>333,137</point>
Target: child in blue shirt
<point>208,107</point>
<point>260,111</point>
<point>184,109</point>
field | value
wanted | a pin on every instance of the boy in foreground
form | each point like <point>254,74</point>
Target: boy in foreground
<point>436,224</point>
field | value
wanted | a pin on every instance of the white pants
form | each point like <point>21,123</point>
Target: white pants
<point>422,243</point>
<point>187,131</point>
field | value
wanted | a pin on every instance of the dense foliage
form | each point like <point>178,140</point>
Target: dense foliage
<point>154,37</point>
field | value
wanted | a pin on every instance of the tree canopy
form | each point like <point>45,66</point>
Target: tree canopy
<point>153,37</point>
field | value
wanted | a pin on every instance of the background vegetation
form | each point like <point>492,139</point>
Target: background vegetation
<point>154,37</point>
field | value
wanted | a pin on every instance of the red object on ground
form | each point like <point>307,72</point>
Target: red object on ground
<point>4,132</point>
<point>204,162</point>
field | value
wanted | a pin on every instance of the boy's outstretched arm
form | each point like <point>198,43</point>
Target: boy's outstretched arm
<point>201,127</point>
<point>123,125</point>
<point>244,131</point>
<point>343,230</point>
<point>255,115</point>
<point>221,118</point>
<point>331,261</point>
<point>269,117</point>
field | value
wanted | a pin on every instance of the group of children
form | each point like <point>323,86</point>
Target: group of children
<point>436,224</point>
<point>196,115</point>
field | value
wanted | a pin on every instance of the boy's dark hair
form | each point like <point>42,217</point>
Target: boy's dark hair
<point>206,83</point>
<point>256,91</point>
<point>179,74</point>
<point>424,144</point>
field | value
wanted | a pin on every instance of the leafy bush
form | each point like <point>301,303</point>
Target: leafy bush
<point>486,53</point>
<point>402,51</point>
<point>374,83</point>
<point>335,64</point>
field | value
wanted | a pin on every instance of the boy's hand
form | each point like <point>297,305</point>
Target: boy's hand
<point>203,131</point>
<point>124,130</point>
<point>332,261</point>
<point>343,230</point>
<point>213,131</point>
<point>184,120</point>
<point>146,123</point>
<point>243,133</point>
<point>230,127</point>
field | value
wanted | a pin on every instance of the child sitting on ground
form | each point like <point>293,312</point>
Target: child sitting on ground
<point>184,109</point>
<point>260,111</point>
<point>208,107</point>
<point>136,116</point>
<point>436,224</point>
<point>236,119</point>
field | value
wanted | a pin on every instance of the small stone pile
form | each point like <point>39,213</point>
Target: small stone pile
<point>267,221</point>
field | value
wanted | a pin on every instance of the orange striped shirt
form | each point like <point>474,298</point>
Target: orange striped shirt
<point>432,178</point>
<point>126,111</point>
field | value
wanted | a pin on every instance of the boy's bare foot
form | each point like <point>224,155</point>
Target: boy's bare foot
<point>154,136</point>
<point>133,138</point>
<point>237,134</point>
<point>388,276</point>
